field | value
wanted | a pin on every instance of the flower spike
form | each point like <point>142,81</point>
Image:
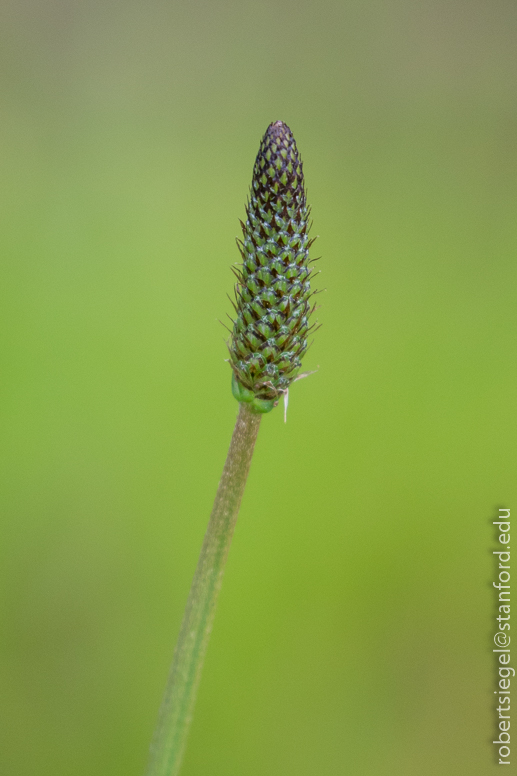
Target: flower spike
<point>270,331</point>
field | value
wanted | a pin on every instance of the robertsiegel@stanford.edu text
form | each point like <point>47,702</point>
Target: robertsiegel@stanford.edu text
<point>502,638</point>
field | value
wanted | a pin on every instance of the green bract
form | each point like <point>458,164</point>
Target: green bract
<point>270,331</point>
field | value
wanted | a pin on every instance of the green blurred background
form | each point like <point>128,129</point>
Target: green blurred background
<point>353,634</point>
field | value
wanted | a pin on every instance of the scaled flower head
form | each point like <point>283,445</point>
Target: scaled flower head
<point>270,331</point>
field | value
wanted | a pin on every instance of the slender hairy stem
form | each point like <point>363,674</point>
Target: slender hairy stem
<point>180,693</point>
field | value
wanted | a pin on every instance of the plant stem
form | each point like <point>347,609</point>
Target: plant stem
<point>180,693</point>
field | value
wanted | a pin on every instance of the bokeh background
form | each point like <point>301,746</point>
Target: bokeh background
<point>353,634</point>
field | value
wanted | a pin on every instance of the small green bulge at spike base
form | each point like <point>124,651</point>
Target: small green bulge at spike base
<point>270,331</point>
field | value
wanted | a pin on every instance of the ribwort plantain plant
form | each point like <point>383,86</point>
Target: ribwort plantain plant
<point>267,343</point>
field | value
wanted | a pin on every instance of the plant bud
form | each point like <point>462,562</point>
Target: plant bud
<point>272,294</point>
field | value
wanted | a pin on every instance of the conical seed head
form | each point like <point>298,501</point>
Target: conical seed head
<point>272,296</point>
